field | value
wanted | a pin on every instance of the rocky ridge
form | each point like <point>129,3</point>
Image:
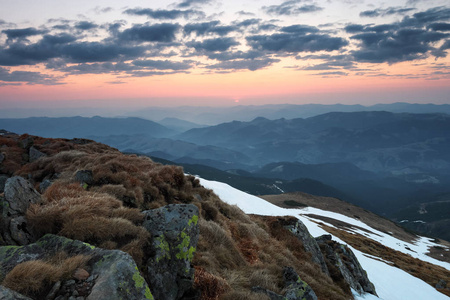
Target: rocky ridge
<point>175,243</point>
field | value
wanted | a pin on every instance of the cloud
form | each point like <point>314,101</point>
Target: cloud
<point>189,3</point>
<point>85,25</point>
<point>17,77</point>
<point>205,28</point>
<point>102,10</point>
<point>245,64</point>
<point>299,40</point>
<point>414,37</point>
<point>164,32</point>
<point>439,26</point>
<point>217,44</point>
<point>163,64</point>
<point>381,12</point>
<point>291,8</point>
<point>161,14</point>
<point>395,46</point>
<point>13,34</point>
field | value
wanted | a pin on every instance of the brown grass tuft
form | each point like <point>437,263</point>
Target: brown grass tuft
<point>210,286</point>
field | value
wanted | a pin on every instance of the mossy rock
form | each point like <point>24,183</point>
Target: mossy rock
<point>116,273</point>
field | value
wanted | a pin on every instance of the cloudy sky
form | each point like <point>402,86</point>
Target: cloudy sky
<point>214,52</point>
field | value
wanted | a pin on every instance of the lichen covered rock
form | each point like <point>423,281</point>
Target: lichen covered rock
<point>113,273</point>
<point>175,235</point>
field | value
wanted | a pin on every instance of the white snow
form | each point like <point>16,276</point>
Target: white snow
<point>390,283</point>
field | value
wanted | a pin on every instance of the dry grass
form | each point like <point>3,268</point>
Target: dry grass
<point>235,251</point>
<point>426,271</point>
<point>34,278</point>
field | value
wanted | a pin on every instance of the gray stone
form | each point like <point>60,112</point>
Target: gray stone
<point>55,289</point>
<point>345,260</point>
<point>301,232</point>
<point>34,154</point>
<point>44,185</point>
<point>85,176</point>
<point>118,275</point>
<point>27,142</point>
<point>2,157</point>
<point>296,289</point>
<point>3,179</point>
<point>268,293</point>
<point>442,284</point>
<point>175,235</point>
<point>18,195</point>
<point>7,294</point>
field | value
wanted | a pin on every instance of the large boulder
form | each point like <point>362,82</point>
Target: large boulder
<point>175,235</point>
<point>299,229</point>
<point>112,274</point>
<point>18,195</point>
<point>343,258</point>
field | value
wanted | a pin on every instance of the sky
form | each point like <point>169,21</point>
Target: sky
<point>58,53</point>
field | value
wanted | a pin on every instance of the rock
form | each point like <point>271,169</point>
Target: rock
<point>301,232</point>
<point>2,157</point>
<point>3,179</point>
<point>85,177</point>
<point>27,142</point>
<point>117,274</point>
<point>34,154</point>
<point>343,258</point>
<point>442,284</point>
<point>175,235</point>
<point>44,185</point>
<point>7,294</point>
<point>296,289</point>
<point>55,289</point>
<point>268,293</point>
<point>80,274</point>
<point>18,195</point>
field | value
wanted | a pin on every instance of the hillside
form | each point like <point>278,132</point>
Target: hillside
<point>84,220</point>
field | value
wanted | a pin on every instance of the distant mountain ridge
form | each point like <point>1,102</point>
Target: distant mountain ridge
<point>81,127</point>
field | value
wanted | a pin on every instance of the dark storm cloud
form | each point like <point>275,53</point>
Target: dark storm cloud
<point>189,3</point>
<point>439,26</point>
<point>164,32</point>
<point>296,41</point>
<point>354,28</point>
<point>205,28</point>
<point>291,8</point>
<point>218,44</point>
<point>299,29</point>
<point>162,14</point>
<point>163,64</point>
<point>12,34</point>
<point>385,12</point>
<point>249,64</point>
<point>7,78</point>
<point>247,22</point>
<point>85,25</point>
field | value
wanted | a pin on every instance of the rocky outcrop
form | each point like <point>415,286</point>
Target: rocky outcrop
<point>108,274</point>
<point>85,177</point>
<point>34,154</point>
<point>3,179</point>
<point>7,294</point>
<point>295,288</point>
<point>18,196</point>
<point>299,229</point>
<point>342,257</point>
<point>175,235</point>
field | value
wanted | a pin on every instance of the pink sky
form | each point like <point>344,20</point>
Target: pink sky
<point>205,52</point>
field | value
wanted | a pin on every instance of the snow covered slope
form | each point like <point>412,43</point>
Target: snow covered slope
<point>391,283</point>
